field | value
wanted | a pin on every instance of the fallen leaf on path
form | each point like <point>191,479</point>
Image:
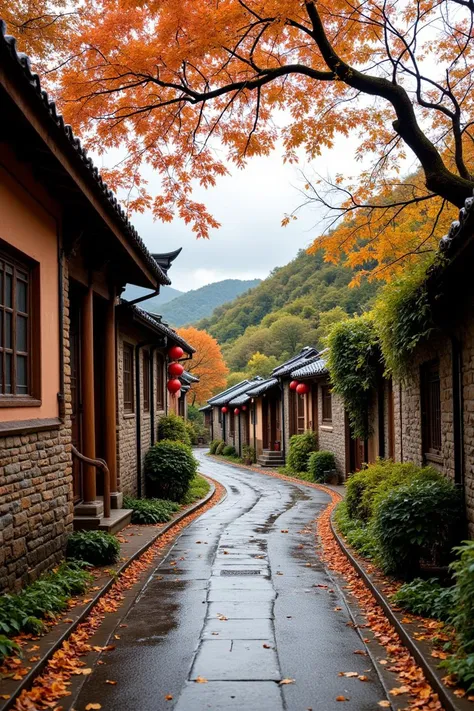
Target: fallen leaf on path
<point>286,681</point>
<point>342,698</point>
<point>86,671</point>
<point>349,674</point>
<point>200,680</point>
<point>400,690</point>
<point>168,697</point>
<point>362,677</point>
<point>93,707</point>
<point>266,646</point>
<point>284,530</point>
<point>4,696</point>
<point>384,704</point>
<point>360,651</point>
<point>109,681</point>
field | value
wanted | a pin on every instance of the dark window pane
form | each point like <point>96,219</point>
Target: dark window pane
<point>8,290</point>
<point>21,333</point>
<point>21,296</point>
<point>1,373</point>
<point>8,330</point>
<point>1,329</point>
<point>8,373</point>
<point>2,300</point>
<point>21,375</point>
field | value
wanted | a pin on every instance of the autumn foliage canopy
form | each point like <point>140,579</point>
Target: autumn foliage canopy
<point>191,87</point>
<point>207,364</point>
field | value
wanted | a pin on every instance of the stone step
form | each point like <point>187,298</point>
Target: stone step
<point>271,462</point>
<point>275,454</point>
<point>118,519</point>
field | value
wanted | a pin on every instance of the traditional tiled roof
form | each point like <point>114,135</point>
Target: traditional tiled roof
<point>205,408</point>
<point>59,130</point>
<point>286,368</point>
<point>459,228</point>
<point>254,392</point>
<point>188,378</point>
<point>230,394</point>
<point>313,369</point>
<point>159,327</point>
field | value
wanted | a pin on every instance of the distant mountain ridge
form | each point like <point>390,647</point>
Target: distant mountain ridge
<point>200,303</point>
<point>167,293</point>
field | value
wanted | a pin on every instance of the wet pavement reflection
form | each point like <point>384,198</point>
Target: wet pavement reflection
<point>240,603</point>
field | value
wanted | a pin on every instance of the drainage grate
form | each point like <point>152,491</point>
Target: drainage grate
<point>240,572</point>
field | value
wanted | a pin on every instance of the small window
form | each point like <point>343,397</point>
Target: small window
<point>431,408</point>
<point>253,415</point>
<point>160,382</point>
<point>219,415</point>
<point>128,395</point>
<point>231,424</point>
<point>146,381</point>
<point>18,341</point>
<point>327,403</point>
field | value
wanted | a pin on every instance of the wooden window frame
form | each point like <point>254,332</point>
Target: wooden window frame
<point>231,424</point>
<point>253,414</point>
<point>219,415</point>
<point>128,403</point>
<point>430,400</point>
<point>326,403</point>
<point>160,382</point>
<point>18,262</point>
<point>146,381</point>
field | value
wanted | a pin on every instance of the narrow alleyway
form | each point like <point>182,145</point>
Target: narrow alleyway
<point>243,602</point>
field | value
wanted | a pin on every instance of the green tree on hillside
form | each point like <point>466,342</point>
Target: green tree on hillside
<point>261,364</point>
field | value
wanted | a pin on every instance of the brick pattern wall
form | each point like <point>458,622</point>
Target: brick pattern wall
<point>332,436</point>
<point>36,509</point>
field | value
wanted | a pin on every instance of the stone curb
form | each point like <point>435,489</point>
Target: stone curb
<point>449,701</point>
<point>28,680</point>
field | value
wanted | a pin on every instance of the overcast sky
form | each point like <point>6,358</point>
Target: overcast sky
<point>250,205</point>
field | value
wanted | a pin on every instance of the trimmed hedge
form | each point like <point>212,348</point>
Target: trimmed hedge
<point>301,447</point>
<point>415,522</point>
<point>229,451</point>
<point>169,468</point>
<point>94,547</point>
<point>172,427</point>
<point>146,511</point>
<point>220,448</point>
<point>319,463</point>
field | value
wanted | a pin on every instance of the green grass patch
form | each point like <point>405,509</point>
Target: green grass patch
<point>356,533</point>
<point>198,489</point>
<point>150,511</point>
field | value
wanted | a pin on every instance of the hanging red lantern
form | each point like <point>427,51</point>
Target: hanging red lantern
<point>174,386</point>
<point>224,409</point>
<point>302,388</point>
<point>236,411</point>
<point>293,385</point>
<point>175,369</point>
<point>244,408</point>
<point>175,352</point>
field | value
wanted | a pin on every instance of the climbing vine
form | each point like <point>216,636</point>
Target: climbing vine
<point>354,359</point>
<point>403,317</point>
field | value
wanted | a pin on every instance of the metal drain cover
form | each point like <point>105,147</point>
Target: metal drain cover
<point>240,572</point>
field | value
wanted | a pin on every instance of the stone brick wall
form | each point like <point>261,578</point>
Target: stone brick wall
<point>332,436</point>
<point>36,509</point>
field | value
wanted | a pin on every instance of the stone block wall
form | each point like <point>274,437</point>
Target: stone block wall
<point>332,436</point>
<point>36,497</point>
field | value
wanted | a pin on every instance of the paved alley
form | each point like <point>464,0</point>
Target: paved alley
<point>240,603</point>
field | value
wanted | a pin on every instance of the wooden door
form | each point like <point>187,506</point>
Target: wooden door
<point>358,454</point>
<point>265,424</point>
<point>314,407</point>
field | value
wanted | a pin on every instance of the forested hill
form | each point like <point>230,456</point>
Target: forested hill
<point>304,287</point>
<point>294,307</point>
<point>198,303</point>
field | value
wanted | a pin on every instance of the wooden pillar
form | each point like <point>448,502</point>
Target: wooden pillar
<point>110,430</point>
<point>88,419</point>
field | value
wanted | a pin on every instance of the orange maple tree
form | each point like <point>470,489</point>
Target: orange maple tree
<point>207,364</point>
<point>187,87</point>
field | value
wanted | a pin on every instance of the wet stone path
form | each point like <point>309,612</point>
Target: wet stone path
<point>240,603</point>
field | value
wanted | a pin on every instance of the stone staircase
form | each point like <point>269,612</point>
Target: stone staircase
<point>271,459</point>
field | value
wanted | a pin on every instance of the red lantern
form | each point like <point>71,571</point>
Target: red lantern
<point>236,411</point>
<point>302,388</point>
<point>293,385</point>
<point>175,352</point>
<point>174,386</point>
<point>244,408</point>
<point>175,369</point>
<point>224,409</point>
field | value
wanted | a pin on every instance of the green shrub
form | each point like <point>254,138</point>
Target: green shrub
<point>357,534</point>
<point>319,463</point>
<point>248,454</point>
<point>25,611</point>
<point>192,432</point>
<point>462,663</point>
<point>301,447</point>
<point>172,427</point>
<point>229,451</point>
<point>8,647</point>
<point>220,448</point>
<point>169,468</point>
<point>94,547</point>
<point>365,488</point>
<point>415,522</point>
<point>213,446</point>
<point>150,510</point>
<point>427,598</point>
<point>198,489</point>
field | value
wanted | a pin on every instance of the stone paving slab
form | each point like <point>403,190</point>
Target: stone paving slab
<point>220,696</point>
<point>236,595</point>
<point>236,660</point>
<point>238,629</point>
<point>241,610</point>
